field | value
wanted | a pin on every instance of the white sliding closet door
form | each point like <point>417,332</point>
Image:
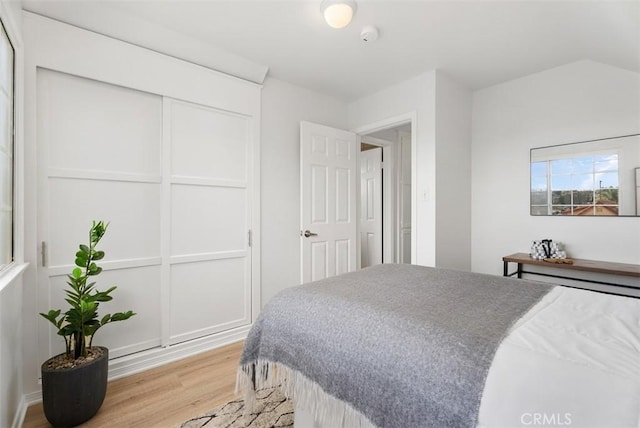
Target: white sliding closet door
<point>99,158</point>
<point>209,196</point>
<point>169,153</point>
<point>173,179</point>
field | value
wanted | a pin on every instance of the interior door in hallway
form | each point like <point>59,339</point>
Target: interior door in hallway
<point>371,207</point>
<point>404,198</point>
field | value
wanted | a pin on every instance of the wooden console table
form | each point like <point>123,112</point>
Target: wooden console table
<point>611,268</point>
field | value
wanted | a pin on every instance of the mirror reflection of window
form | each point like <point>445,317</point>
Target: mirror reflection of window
<point>587,178</point>
<point>539,189</point>
<point>583,185</point>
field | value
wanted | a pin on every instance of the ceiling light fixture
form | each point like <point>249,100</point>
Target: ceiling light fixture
<point>338,13</point>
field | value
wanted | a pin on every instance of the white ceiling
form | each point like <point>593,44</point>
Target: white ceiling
<point>479,43</point>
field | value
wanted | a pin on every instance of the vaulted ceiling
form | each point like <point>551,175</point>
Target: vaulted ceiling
<point>479,43</point>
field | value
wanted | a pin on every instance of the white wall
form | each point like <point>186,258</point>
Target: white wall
<point>442,167</point>
<point>453,174</point>
<point>413,96</point>
<point>12,404</point>
<point>283,107</point>
<point>11,385</point>
<point>111,21</point>
<point>576,102</point>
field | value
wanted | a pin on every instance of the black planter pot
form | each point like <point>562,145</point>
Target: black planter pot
<point>74,395</point>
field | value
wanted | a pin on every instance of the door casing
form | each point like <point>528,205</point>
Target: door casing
<point>392,122</point>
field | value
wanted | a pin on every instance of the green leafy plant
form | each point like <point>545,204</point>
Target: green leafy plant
<point>80,323</point>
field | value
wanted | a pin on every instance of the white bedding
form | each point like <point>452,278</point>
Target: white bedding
<point>572,360</point>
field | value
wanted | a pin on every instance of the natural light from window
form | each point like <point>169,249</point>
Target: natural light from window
<point>6,147</point>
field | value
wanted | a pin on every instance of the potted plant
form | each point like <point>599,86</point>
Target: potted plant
<point>74,383</point>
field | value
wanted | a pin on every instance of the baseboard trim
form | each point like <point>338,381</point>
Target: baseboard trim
<point>145,360</point>
<point>141,361</point>
<point>21,412</point>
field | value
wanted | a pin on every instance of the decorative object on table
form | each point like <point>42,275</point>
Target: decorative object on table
<point>74,383</point>
<point>547,249</point>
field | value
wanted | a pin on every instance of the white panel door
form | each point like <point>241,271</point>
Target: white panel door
<point>174,180</point>
<point>208,188</point>
<point>328,201</point>
<point>99,158</point>
<point>371,207</point>
<point>404,200</point>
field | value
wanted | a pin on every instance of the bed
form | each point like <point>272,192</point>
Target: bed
<point>410,346</point>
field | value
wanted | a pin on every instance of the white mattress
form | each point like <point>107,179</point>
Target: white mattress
<point>573,360</point>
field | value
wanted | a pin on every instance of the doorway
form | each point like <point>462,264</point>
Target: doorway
<point>385,196</point>
<point>330,205</point>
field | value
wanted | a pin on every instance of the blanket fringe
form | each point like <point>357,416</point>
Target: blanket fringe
<point>308,395</point>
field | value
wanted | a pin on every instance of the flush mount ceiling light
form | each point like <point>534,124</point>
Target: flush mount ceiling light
<point>338,13</point>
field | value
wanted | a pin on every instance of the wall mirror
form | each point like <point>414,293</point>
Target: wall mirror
<point>588,178</point>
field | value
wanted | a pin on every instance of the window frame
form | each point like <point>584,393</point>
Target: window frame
<point>11,271</point>
<point>11,145</point>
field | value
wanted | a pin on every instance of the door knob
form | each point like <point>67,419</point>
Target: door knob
<point>308,233</point>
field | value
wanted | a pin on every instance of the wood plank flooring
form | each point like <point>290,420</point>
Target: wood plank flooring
<point>164,396</point>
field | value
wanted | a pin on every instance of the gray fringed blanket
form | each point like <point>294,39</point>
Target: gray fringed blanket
<point>390,346</point>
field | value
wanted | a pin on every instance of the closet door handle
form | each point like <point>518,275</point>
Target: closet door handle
<point>308,233</point>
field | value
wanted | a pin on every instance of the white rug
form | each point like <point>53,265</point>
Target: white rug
<point>272,410</point>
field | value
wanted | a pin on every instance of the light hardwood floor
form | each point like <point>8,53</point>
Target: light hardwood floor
<point>164,396</point>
